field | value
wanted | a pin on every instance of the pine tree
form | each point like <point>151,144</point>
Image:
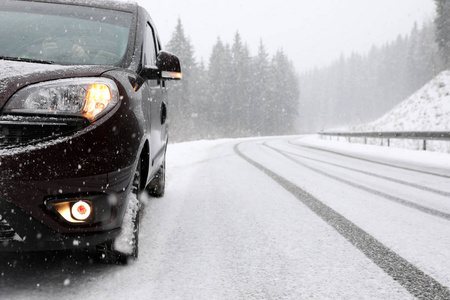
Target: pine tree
<point>259,104</point>
<point>284,95</point>
<point>200,103</point>
<point>413,56</point>
<point>181,110</point>
<point>242,82</point>
<point>442,23</point>
<point>219,86</point>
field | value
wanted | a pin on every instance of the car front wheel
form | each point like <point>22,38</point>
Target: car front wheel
<point>126,245</point>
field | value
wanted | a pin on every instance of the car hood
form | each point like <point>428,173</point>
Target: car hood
<point>14,75</point>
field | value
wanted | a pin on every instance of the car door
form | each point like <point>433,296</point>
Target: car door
<point>155,106</point>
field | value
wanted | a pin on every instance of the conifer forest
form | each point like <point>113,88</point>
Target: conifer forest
<point>238,94</point>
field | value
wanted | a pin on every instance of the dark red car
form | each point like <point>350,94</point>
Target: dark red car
<point>83,123</point>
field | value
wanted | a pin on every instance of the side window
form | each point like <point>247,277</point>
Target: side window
<point>149,47</point>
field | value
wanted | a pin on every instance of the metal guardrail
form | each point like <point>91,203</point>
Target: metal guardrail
<point>388,135</point>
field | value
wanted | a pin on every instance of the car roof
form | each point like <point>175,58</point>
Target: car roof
<point>123,5</point>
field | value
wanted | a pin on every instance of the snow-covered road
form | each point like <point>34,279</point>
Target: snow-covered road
<point>272,218</point>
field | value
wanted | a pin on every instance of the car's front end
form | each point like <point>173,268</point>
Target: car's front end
<point>50,161</point>
<point>70,125</point>
<point>83,126</point>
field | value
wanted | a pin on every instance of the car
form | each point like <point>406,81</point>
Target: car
<point>83,124</point>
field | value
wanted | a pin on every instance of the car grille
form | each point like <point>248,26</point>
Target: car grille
<point>7,233</point>
<point>19,130</point>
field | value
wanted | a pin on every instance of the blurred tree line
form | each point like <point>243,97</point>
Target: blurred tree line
<point>361,88</point>
<point>236,95</point>
<point>442,23</point>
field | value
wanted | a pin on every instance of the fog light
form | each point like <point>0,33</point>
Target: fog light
<point>81,210</point>
<point>74,211</point>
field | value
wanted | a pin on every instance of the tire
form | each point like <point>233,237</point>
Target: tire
<point>157,185</point>
<point>112,252</point>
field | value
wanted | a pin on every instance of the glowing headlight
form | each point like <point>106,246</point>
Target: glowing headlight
<point>87,97</point>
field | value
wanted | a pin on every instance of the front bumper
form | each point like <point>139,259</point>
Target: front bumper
<point>97,160</point>
<point>20,232</point>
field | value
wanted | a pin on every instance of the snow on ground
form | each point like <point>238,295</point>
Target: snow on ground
<point>426,110</point>
<point>422,160</point>
<point>417,237</point>
<point>225,230</point>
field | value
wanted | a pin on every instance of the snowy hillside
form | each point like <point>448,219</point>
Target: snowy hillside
<point>426,110</point>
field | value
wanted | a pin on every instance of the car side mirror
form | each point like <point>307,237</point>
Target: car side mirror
<point>167,68</point>
<point>169,65</point>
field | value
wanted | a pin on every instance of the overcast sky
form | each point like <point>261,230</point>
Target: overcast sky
<point>312,33</point>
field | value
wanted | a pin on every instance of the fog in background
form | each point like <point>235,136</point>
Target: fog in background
<point>311,33</point>
<point>254,68</point>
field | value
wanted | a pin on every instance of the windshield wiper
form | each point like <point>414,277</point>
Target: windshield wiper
<point>25,59</point>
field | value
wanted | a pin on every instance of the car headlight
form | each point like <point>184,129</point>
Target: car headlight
<point>87,97</point>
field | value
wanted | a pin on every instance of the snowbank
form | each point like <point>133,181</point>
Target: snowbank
<point>428,109</point>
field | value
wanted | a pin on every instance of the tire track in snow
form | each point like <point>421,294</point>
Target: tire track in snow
<point>414,185</point>
<point>368,160</point>
<point>414,280</point>
<point>424,209</point>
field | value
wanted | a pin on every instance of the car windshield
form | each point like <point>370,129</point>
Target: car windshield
<point>63,34</point>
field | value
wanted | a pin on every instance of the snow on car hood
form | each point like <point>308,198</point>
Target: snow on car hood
<point>14,75</point>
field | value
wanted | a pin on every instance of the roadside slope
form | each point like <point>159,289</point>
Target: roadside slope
<point>428,109</point>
